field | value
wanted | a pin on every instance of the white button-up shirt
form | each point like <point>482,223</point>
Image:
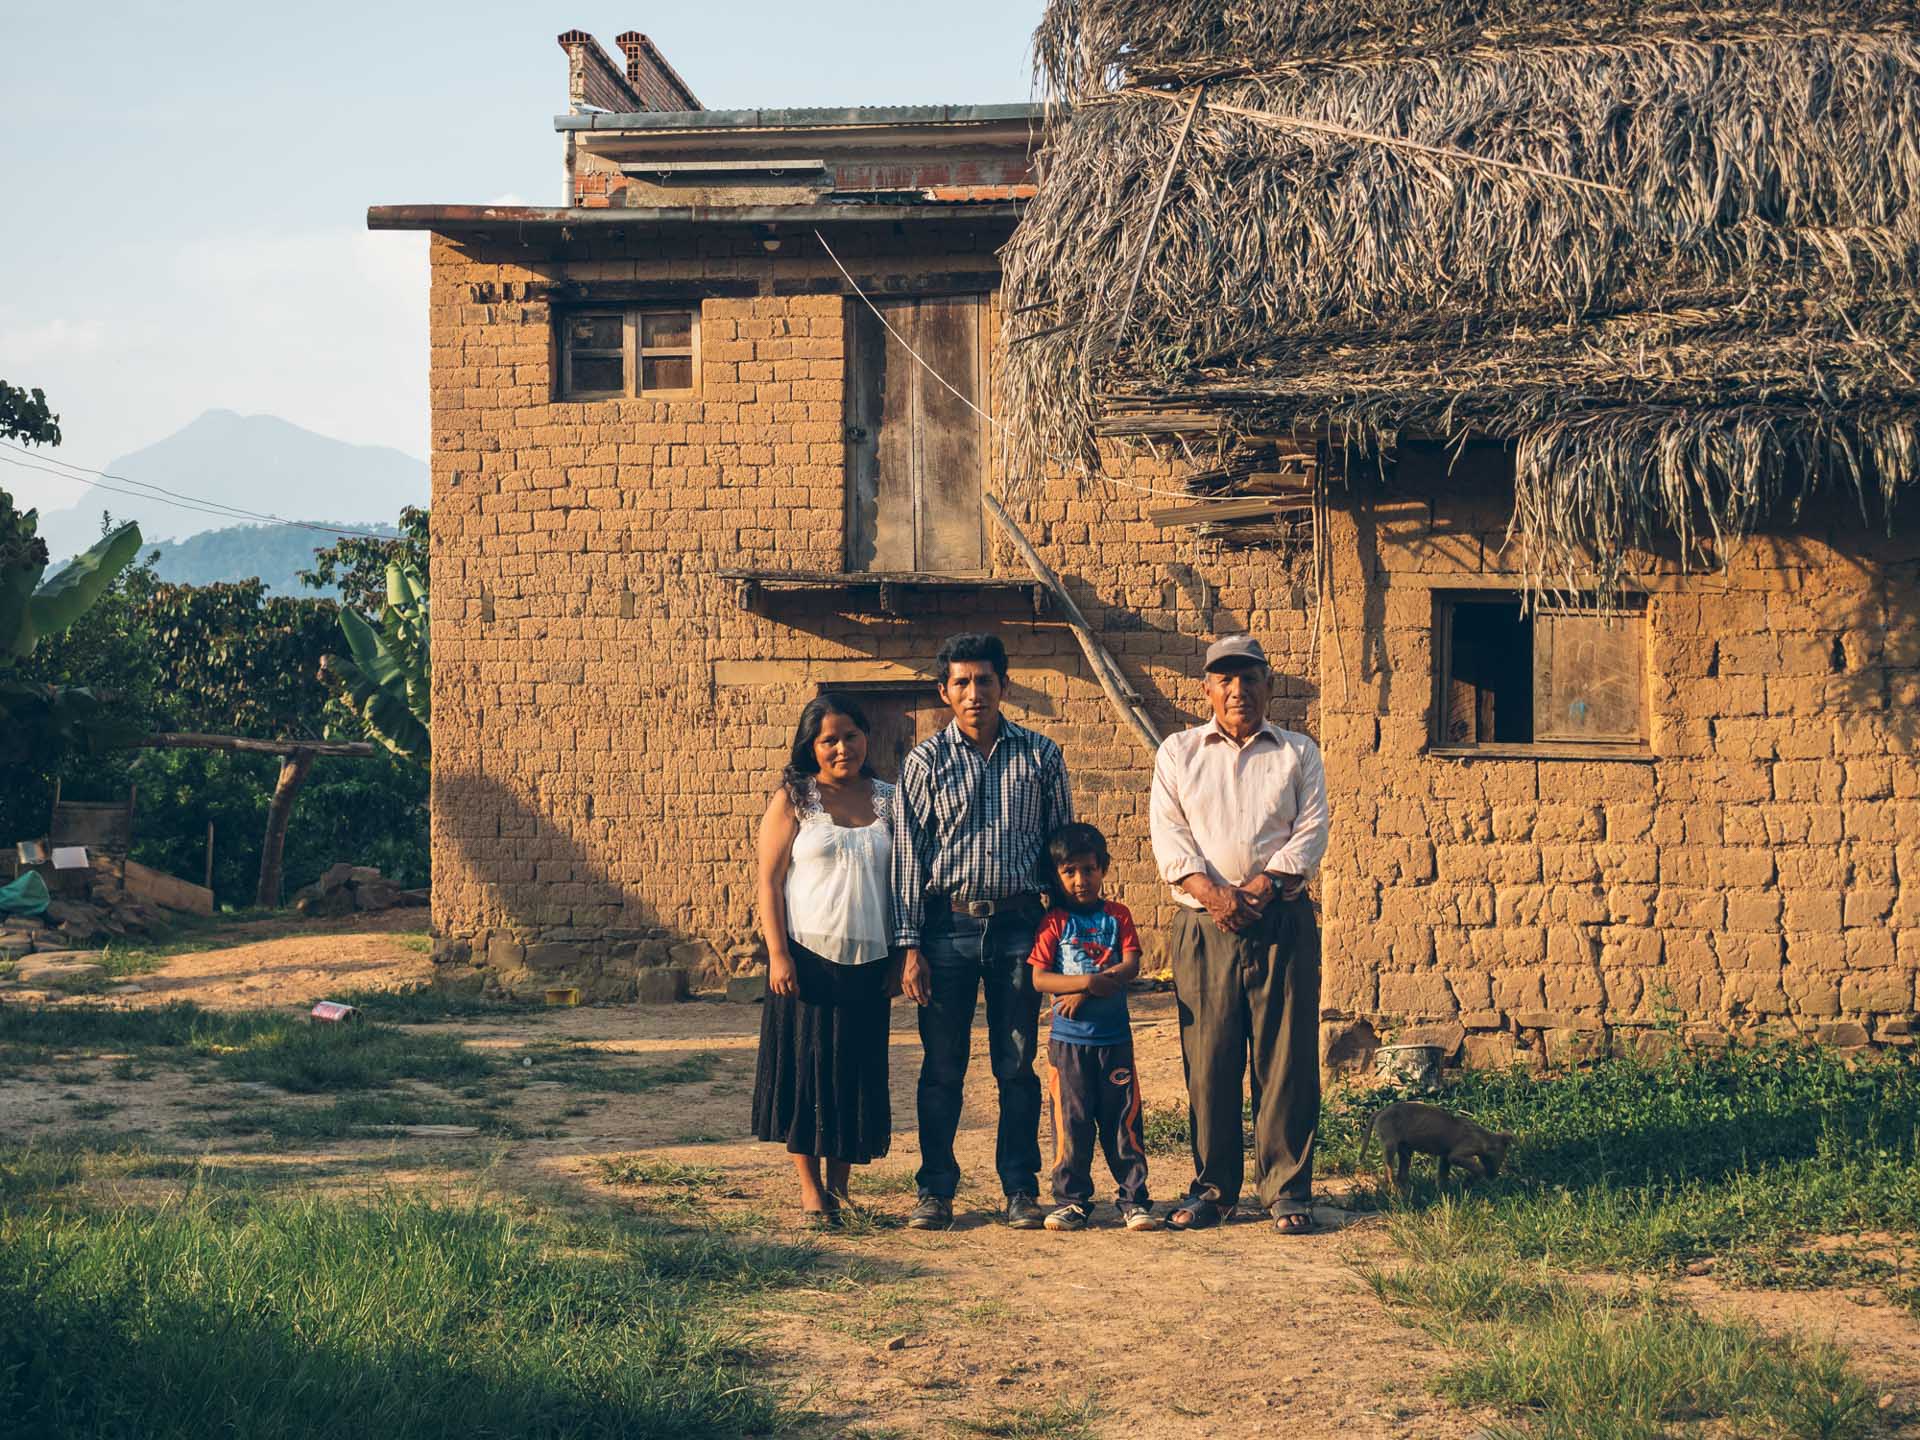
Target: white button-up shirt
<point>1230,809</point>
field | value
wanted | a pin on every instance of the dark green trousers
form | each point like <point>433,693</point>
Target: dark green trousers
<point>1251,999</point>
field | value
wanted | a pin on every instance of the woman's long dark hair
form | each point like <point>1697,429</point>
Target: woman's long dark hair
<point>802,764</point>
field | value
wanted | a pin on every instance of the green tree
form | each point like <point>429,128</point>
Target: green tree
<point>24,416</point>
<point>357,564</point>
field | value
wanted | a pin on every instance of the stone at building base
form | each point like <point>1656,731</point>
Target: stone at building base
<point>1846,1034</point>
<point>1347,1047</point>
<point>1571,1045</point>
<point>666,985</point>
<point>747,989</point>
<point>1446,1038</point>
<point>1496,1050</point>
<point>460,980</point>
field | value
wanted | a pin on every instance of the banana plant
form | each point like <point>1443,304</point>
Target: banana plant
<point>38,722</point>
<point>387,677</point>
<point>31,609</point>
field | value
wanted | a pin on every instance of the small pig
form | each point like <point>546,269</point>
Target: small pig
<point>1409,1126</point>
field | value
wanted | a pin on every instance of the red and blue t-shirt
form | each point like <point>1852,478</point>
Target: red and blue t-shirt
<point>1076,940</point>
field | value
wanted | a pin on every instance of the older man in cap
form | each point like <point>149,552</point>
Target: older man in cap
<point>1239,816</point>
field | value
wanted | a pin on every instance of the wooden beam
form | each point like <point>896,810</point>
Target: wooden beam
<point>190,740</point>
<point>1213,512</point>
<point>1122,695</point>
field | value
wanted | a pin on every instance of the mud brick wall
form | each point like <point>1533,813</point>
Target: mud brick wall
<point>609,720</point>
<point>1761,873</point>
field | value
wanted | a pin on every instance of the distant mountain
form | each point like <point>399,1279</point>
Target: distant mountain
<point>255,462</point>
<point>275,553</point>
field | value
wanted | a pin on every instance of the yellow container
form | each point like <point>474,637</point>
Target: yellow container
<point>564,995</point>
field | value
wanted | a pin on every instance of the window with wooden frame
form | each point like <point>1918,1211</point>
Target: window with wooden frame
<point>1554,679</point>
<point>650,353</point>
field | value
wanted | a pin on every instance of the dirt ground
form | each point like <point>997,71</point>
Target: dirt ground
<point>1233,1331</point>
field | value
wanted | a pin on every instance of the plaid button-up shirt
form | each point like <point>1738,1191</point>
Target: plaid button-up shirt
<point>968,826</point>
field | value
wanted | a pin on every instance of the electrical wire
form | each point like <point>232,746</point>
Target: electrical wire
<point>178,499</point>
<point>1064,463</point>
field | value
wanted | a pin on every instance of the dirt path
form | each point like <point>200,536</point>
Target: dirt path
<point>1236,1331</point>
<point>1168,1335</point>
<point>385,951</point>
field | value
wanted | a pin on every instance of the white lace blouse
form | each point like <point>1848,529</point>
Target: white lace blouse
<point>839,895</point>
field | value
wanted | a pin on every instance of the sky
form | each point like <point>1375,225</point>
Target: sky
<point>183,187</point>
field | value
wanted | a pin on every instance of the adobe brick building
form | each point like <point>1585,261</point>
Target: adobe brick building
<point>684,478</point>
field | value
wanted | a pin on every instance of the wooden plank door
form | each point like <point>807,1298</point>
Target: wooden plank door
<point>916,450</point>
<point>900,718</point>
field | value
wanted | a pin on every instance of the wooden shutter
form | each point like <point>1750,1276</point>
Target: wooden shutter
<point>901,717</point>
<point>915,449</point>
<point>1588,675</point>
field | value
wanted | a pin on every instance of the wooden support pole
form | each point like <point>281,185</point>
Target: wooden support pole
<point>1122,695</point>
<point>189,740</point>
<point>293,774</point>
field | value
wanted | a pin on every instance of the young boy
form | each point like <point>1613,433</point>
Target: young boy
<point>1084,953</point>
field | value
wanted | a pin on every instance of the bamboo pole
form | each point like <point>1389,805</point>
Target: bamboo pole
<point>1153,219</point>
<point>1392,142</point>
<point>1123,696</point>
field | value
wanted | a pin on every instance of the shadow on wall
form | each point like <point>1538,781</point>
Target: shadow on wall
<point>524,901</point>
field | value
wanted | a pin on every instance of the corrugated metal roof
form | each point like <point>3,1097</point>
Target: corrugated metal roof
<point>553,217</point>
<point>789,119</point>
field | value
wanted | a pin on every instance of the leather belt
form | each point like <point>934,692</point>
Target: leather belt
<point>986,909</point>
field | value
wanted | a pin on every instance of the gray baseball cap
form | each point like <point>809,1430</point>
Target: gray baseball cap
<point>1233,651</point>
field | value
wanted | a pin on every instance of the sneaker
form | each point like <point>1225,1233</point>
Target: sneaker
<point>1068,1217</point>
<point>1139,1217</point>
<point>934,1212</point>
<point>1024,1213</point>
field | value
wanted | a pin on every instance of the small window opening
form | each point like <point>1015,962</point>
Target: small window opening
<point>1557,675</point>
<point>1490,689</point>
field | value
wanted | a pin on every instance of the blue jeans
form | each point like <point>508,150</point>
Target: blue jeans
<point>962,953</point>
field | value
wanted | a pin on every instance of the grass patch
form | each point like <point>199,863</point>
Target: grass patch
<point>1744,1156</point>
<point>94,1109</point>
<point>354,1117</point>
<point>1572,1363</point>
<point>411,1317</point>
<point>428,1004</point>
<point>640,1170</point>
<point>268,1047</point>
<point>868,1181</point>
<point>584,1067</point>
<point>1063,1419</point>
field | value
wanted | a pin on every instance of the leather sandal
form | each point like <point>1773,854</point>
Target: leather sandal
<point>1294,1222</point>
<point>1200,1214</point>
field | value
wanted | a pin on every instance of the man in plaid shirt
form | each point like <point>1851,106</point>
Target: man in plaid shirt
<point>975,807</point>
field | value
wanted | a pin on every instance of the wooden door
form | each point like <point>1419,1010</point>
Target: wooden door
<point>900,719</point>
<point>916,450</point>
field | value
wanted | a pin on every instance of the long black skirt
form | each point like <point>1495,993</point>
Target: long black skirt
<point>821,1083</point>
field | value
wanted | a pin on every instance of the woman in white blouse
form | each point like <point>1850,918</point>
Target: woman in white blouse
<point>826,849</point>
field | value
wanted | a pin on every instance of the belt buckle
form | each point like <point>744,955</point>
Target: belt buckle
<point>980,909</point>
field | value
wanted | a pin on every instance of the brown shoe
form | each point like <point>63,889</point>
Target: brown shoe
<point>934,1212</point>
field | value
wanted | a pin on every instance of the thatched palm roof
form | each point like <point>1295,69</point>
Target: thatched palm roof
<point>1688,290</point>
